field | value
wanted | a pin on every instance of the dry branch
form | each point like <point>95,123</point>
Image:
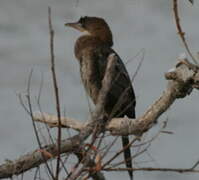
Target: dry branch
<point>52,121</point>
<point>182,79</point>
<point>180,31</point>
<point>56,90</point>
<point>177,170</point>
<point>70,145</point>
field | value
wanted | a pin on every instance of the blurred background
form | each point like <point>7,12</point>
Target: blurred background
<point>136,25</point>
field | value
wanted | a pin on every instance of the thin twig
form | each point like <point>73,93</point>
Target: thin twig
<point>33,122</point>
<point>119,152</point>
<point>139,66</point>
<point>109,147</point>
<point>191,1</point>
<point>40,107</point>
<point>180,31</point>
<point>132,157</point>
<point>56,91</point>
<point>195,165</point>
<point>178,170</point>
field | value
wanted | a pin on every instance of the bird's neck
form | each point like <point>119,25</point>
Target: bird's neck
<point>89,41</point>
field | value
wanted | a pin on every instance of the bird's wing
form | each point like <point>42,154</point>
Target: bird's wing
<point>121,94</point>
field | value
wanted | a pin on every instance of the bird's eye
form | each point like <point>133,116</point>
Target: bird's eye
<point>82,21</point>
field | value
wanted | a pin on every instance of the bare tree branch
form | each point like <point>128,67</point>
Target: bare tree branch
<point>70,145</point>
<point>180,31</point>
<point>52,121</point>
<point>56,90</point>
<point>33,122</point>
<point>177,170</point>
<point>182,79</point>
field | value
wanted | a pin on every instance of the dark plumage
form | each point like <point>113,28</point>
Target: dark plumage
<point>92,50</point>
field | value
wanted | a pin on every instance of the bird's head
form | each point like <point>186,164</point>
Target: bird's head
<point>93,26</point>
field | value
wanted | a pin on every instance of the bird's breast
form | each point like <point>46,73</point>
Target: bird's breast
<point>90,79</point>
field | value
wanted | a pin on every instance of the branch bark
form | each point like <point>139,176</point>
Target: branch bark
<point>182,79</point>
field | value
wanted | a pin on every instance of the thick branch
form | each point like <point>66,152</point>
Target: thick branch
<point>182,79</point>
<point>52,121</point>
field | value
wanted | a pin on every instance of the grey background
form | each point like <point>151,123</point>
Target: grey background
<point>135,24</point>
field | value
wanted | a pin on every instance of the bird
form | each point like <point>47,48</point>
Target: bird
<point>92,50</point>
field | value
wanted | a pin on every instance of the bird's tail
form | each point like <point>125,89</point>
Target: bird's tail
<point>127,155</point>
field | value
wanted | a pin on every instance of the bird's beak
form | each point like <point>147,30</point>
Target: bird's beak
<point>75,25</point>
